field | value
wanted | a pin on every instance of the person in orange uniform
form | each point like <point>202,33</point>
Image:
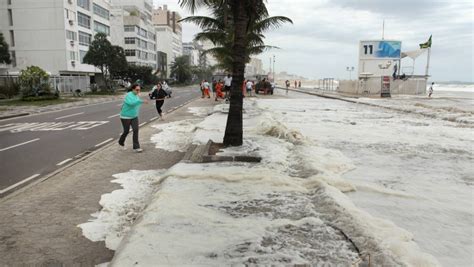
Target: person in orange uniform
<point>219,87</point>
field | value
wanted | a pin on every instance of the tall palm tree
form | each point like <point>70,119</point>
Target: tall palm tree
<point>239,18</point>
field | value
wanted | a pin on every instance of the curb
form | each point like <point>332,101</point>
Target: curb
<point>76,159</point>
<point>13,116</point>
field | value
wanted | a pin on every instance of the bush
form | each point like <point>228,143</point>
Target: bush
<point>40,98</point>
<point>9,90</point>
<point>34,82</point>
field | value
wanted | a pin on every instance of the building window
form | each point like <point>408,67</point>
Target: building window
<point>70,35</point>
<point>142,32</point>
<point>10,17</point>
<point>129,52</point>
<point>100,11</point>
<point>84,38</point>
<point>72,55</point>
<point>99,27</point>
<point>84,4</point>
<point>129,28</point>
<point>12,38</point>
<point>83,20</point>
<point>82,54</point>
<point>9,2</point>
<point>129,40</point>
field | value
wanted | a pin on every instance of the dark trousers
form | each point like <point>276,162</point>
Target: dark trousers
<point>159,104</point>
<point>126,128</point>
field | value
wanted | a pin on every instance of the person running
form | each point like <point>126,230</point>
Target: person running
<point>227,85</point>
<point>129,116</point>
<point>213,85</point>
<point>159,95</point>
<point>430,91</point>
<point>201,85</point>
<point>249,86</point>
<point>206,86</point>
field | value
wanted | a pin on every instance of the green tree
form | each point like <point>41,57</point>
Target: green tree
<point>238,32</point>
<point>4,51</point>
<point>181,69</point>
<point>143,73</point>
<point>34,80</point>
<point>108,58</point>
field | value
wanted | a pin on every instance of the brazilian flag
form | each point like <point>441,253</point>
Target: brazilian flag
<point>427,44</point>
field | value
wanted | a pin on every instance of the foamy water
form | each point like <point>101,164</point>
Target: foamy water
<point>337,180</point>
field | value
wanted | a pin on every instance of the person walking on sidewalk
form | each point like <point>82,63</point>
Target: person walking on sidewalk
<point>287,84</point>
<point>206,86</point>
<point>249,86</point>
<point>227,85</point>
<point>129,116</point>
<point>159,95</point>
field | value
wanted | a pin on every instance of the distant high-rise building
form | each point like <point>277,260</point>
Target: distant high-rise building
<point>54,35</point>
<point>168,32</point>
<point>132,29</point>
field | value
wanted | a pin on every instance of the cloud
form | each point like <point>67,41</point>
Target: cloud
<point>325,35</point>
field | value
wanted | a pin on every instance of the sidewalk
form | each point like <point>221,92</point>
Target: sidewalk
<point>16,111</point>
<point>38,225</point>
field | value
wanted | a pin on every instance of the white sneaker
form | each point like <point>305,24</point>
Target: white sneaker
<point>122,147</point>
<point>138,150</point>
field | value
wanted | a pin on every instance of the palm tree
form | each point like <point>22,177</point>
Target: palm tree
<point>238,20</point>
<point>181,69</point>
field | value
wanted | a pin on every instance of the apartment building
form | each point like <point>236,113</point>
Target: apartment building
<point>192,50</point>
<point>54,35</point>
<point>168,32</point>
<point>131,28</point>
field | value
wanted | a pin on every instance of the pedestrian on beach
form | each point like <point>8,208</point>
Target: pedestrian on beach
<point>227,85</point>
<point>430,91</point>
<point>296,84</point>
<point>159,95</point>
<point>249,86</point>
<point>299,84</point>
<point>129,116</point>
<point>287,84</point>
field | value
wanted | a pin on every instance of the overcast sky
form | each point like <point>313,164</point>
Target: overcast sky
<point>325,35</point>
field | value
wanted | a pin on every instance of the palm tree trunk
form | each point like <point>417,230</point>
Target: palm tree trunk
<point>233,130</point>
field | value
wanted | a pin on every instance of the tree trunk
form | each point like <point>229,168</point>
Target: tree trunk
<point>233,130</point>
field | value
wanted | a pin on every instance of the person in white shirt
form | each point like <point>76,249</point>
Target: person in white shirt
<point>227,85</point>
<point>249,86</point>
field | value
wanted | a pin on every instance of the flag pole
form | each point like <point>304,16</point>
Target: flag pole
<point>428,62</point>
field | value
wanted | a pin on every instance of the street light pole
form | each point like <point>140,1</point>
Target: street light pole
<point>274,80</point>
<point>350,70</point>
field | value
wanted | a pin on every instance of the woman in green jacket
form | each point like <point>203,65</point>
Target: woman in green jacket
<point>129,116</point>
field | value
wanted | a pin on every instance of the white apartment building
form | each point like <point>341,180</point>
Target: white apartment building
<point>131,28</point>
<point>254,67</point>
<point>54,35</point>
<point>168,33</point>
<point>192,50</point>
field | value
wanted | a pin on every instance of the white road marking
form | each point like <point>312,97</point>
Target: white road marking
<point>141,124</point>
<point>67,116</point>
<point>121,104</point>
<point>106,141</point>
<point>154,118</point>
<point>116,115</point>
<point>24,143</point>
<point>64,161</point>
<point>19,183</point>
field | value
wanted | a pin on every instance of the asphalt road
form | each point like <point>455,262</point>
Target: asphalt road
<point>36,145</point>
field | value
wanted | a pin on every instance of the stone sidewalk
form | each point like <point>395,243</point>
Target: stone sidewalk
<point>16,111</point>
<point>38,225</point>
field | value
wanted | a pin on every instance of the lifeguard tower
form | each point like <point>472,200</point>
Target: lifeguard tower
<point>379,72</point>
